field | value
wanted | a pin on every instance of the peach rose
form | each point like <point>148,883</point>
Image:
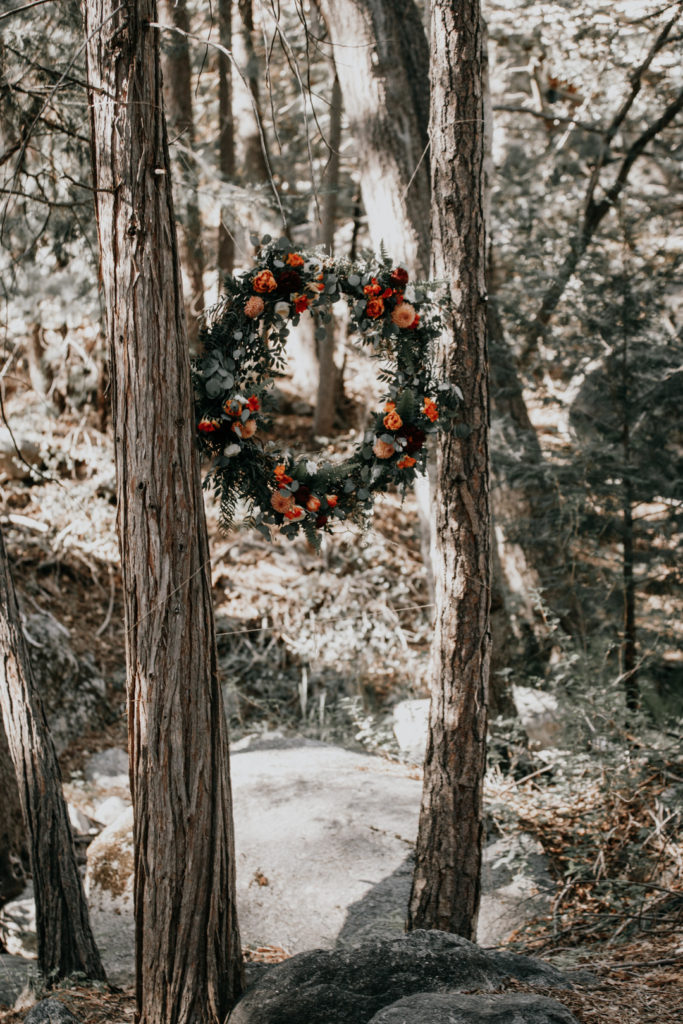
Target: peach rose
<point>254,307</point>
<point>406,462</point>
<point>264,282</point>
<point>392,421</point>
<point>313,503</point>
<point>281,502</point>
<point>382,449</point>
<point>374,308</point>
<point>245,430</point>
<point>403,315</point>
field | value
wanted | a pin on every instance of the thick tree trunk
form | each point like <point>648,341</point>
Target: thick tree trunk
<point>177,70</point>
<point>255,161</point>
<point>188,957</point>
<point>446,883</point>
<point>381,71</point>
<point>323,419</point>
<point>65,942</point>
<point>226,136</point>
<point>14,855</point>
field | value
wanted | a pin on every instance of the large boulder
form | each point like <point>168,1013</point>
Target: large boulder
<point>18,925</point>
<point>50,1011</point>
<point>350,986</point>
<point>446,1008</point>
<point>72,691</point>
<point>16,975</point>
<point>109,887</point>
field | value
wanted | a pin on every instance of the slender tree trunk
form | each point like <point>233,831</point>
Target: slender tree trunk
<point>323,419</point>
<point>177,70</point>
<point>446,883</point>
<point>629,669</point>
<point>385,88</point>
<point>188,959</point>
<point>226,137</point>
<point>254,157</point>
<point>65,942</point>
<point>14,856</point>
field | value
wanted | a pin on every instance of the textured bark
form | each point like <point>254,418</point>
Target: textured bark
<point>382,53</point>
<point>323,419</point>
<point>188,959</point>
<point>446,883</point>
<point>226,136</point>
<point>65,941</point>
<point>178,102</point>
<point>13,851</point>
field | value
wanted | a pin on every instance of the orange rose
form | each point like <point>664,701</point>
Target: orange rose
<point>374,308</point>
<point>313,503</point>
<point>294,260</point>
<point>208,424</point>
<point>253,404</point>
<point>245,430</point>
<point>295,513</point>
<point>264,282</point>
<point>373,288</point>
<point>430,410</point>
<point>390,406</point>
<point>331,500</point>
<point>254,306</point>
<point>301,302</point>
<point>281,476</point>
<point>392,421</point>
<point>406,462</point>
<point>232,407</point>
<point>403,315</point>
<point>383,450</point>
<point>281,502</point>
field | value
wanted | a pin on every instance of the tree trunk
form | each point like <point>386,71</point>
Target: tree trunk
<point>14,855</point>
<point>178,102</point>
<point>255,160</point>
<point>446,883</point>
<point>188,960</point>
<point>384,84</point>
<point>323,419</point>
<point>65,942</point>
<point>226,137</point>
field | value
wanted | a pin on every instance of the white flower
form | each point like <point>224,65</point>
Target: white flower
<point>282,309</point>
<point>311,468</point>
<point>231,450</point>
<point>313,266</point>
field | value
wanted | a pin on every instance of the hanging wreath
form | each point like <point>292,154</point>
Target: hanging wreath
<point>244,346</point>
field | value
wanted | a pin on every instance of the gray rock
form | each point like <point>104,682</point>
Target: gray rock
<point>72,691</point>
<point>50,1011</point>
<point>109,888</point>
<point>410,720</point>
<point>349,986</point>
<point>18,925</point>
<point>440,1008</point>
<point>16,974</point>
<point>539,713</point>
<point>108,768</point>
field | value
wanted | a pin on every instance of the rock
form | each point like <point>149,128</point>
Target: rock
<point>440,1008</point>
<point>18,925</point>
<point>516,887</point>
<point>50,1011</point>
<point>103,794</point>
<point>349,986</point>
<point>16,975</point>
<point>410,725</point>
<point>109,810</point>
<point>540,716</point>
<point>109,888</point>
<point>108,768</point>
<point>13,466</point>
<point>72,691</point>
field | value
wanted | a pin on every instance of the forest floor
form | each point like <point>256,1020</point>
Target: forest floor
<point>322,644</point>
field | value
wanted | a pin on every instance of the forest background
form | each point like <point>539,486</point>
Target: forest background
<point>585,341</point>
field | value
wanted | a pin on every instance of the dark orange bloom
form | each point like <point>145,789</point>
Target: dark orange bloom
<point>281,476</point>
<point>208,424</point>
<point>294,513</point>
<point>313,503</point>
<point>374,308</point>
<point>430,410</point>
<point>232,407</point>
<point>373,288</point>
<point>294,260</point>
<point>331,500</point>
<point>264,282</point>
<point>392,420</point>
<point>301,303</point>
<point>253,404</point>
<point>406,462</point>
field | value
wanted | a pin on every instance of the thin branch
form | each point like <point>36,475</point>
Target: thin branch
<point>26,7</point>
<point>551,118</point>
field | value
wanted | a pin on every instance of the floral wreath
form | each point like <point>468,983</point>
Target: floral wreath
<point>243,347</point>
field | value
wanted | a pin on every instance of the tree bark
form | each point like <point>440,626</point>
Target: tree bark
<point>446,883</point>
<point>255,160</point>
<point>226,137</point>
<point>14,856</point>
<point>188,959</point>
<point>65,942</point>
<point>386,101</point>
<point>177,70</point>
<point>323,419</point>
